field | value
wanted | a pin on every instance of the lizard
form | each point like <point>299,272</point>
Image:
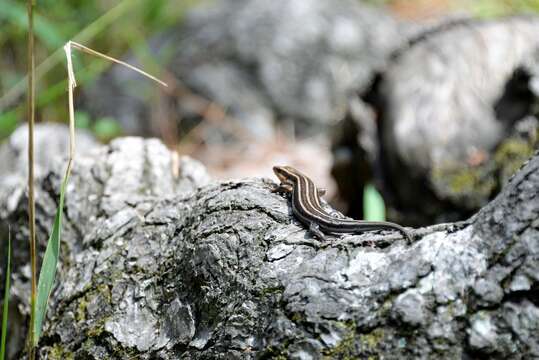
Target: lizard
<point>306,206</point>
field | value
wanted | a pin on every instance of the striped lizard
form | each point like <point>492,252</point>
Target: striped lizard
<point>306,206</point>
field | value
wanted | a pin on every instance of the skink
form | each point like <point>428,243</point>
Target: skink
<point>306,207</point>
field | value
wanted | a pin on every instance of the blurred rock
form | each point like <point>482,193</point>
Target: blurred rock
<point>443,93</point>
<point>51,140</point>
<point>259,61</point>
<point>448,112</point>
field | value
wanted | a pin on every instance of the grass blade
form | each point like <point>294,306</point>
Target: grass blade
<point>374,208</point>
<point>48,268</point>
<point>109,58</point>
<point>6,300</point>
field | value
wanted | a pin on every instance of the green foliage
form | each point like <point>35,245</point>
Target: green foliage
<point>113,27</point>
<point>6,301</point>
<point>45,31</point>
<point>82,120</point>
<point>8,123</point>
<point>373,204</point>
<point>48,267</point>
<point>491,8</point>
<point>481,8</point>
<point>106,129</point>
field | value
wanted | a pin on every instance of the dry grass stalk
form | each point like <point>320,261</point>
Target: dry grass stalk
<point>31,106</point>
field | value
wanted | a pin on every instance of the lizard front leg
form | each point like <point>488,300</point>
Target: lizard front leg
<point>283,188</point>
<point>314,229</point>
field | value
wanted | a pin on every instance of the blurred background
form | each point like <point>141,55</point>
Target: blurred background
<point>413,110</point>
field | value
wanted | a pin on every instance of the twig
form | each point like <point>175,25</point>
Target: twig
<point>98,54</point>
<point>72,83</point>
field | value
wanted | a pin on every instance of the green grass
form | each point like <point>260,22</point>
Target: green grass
<point>106,129</point>
<point>48,267</point>
<point>8,123</point>
<point>374,208</point>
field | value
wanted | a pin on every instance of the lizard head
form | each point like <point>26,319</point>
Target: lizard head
<point>286,174</point>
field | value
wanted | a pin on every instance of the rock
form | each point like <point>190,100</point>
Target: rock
<point>454,118</point>
<point>449,109</point>
<point>261,62</point>
<point>224,271</point>
<point>104,181</point>
<point>50,140</point>
<point>409,307</point>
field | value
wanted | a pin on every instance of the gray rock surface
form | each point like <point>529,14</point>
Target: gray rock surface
<point>155,269</point>
<point>51,147</point>
<point>95,208</point>
<point>263,61</point>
